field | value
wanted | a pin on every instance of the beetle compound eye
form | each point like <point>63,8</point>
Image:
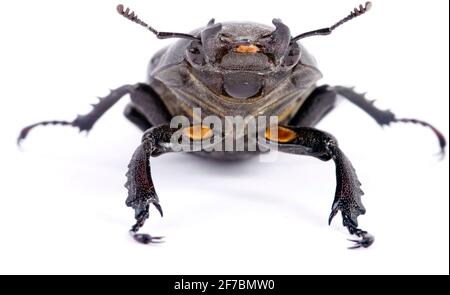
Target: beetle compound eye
<point>226,38</point>
<point>194,51</point>
<point>195,56</point>
<point>292,58</point>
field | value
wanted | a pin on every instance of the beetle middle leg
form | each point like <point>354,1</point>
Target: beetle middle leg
<point>312,142</point>
<point>318,104</point>
<point>136,117</point>
<point>385,117</point>
<point>146,108</point>
<point>141,94</point>
<point>323,98</point>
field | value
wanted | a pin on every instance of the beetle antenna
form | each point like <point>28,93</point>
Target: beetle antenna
<point>326,31</point>
<point>127,13</point>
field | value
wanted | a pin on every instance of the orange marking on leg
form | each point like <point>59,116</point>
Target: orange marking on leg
<point>198,132</point>
<point>284,135</point>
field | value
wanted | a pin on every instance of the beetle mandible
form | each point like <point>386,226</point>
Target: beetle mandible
<point>237,69</point>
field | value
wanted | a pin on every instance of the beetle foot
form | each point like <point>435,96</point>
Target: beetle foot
<point>140,220</point>
<point>146,238</point>
<point>365,240</point>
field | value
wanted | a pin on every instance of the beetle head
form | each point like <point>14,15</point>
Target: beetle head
<point>243,47</point>
<point>242,54</point>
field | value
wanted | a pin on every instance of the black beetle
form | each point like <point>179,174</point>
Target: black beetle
<point>236,69</point>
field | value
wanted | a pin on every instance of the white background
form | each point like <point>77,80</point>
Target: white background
<point>62,199</point>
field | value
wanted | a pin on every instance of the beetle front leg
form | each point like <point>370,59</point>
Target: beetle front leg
<point>141,191</point>
<point>312,142</point>
<point>155,142</point>
<point>348,195</point>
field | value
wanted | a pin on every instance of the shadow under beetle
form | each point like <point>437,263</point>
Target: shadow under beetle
<point>237,69</point>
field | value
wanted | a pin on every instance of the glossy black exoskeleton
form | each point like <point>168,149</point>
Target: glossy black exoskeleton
<point>236,69</point>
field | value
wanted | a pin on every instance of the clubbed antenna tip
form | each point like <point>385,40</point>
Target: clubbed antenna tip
<point>326,31</point>
<point>130,15</point>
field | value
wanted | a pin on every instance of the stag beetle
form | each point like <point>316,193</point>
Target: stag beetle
<point>236,69</point>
